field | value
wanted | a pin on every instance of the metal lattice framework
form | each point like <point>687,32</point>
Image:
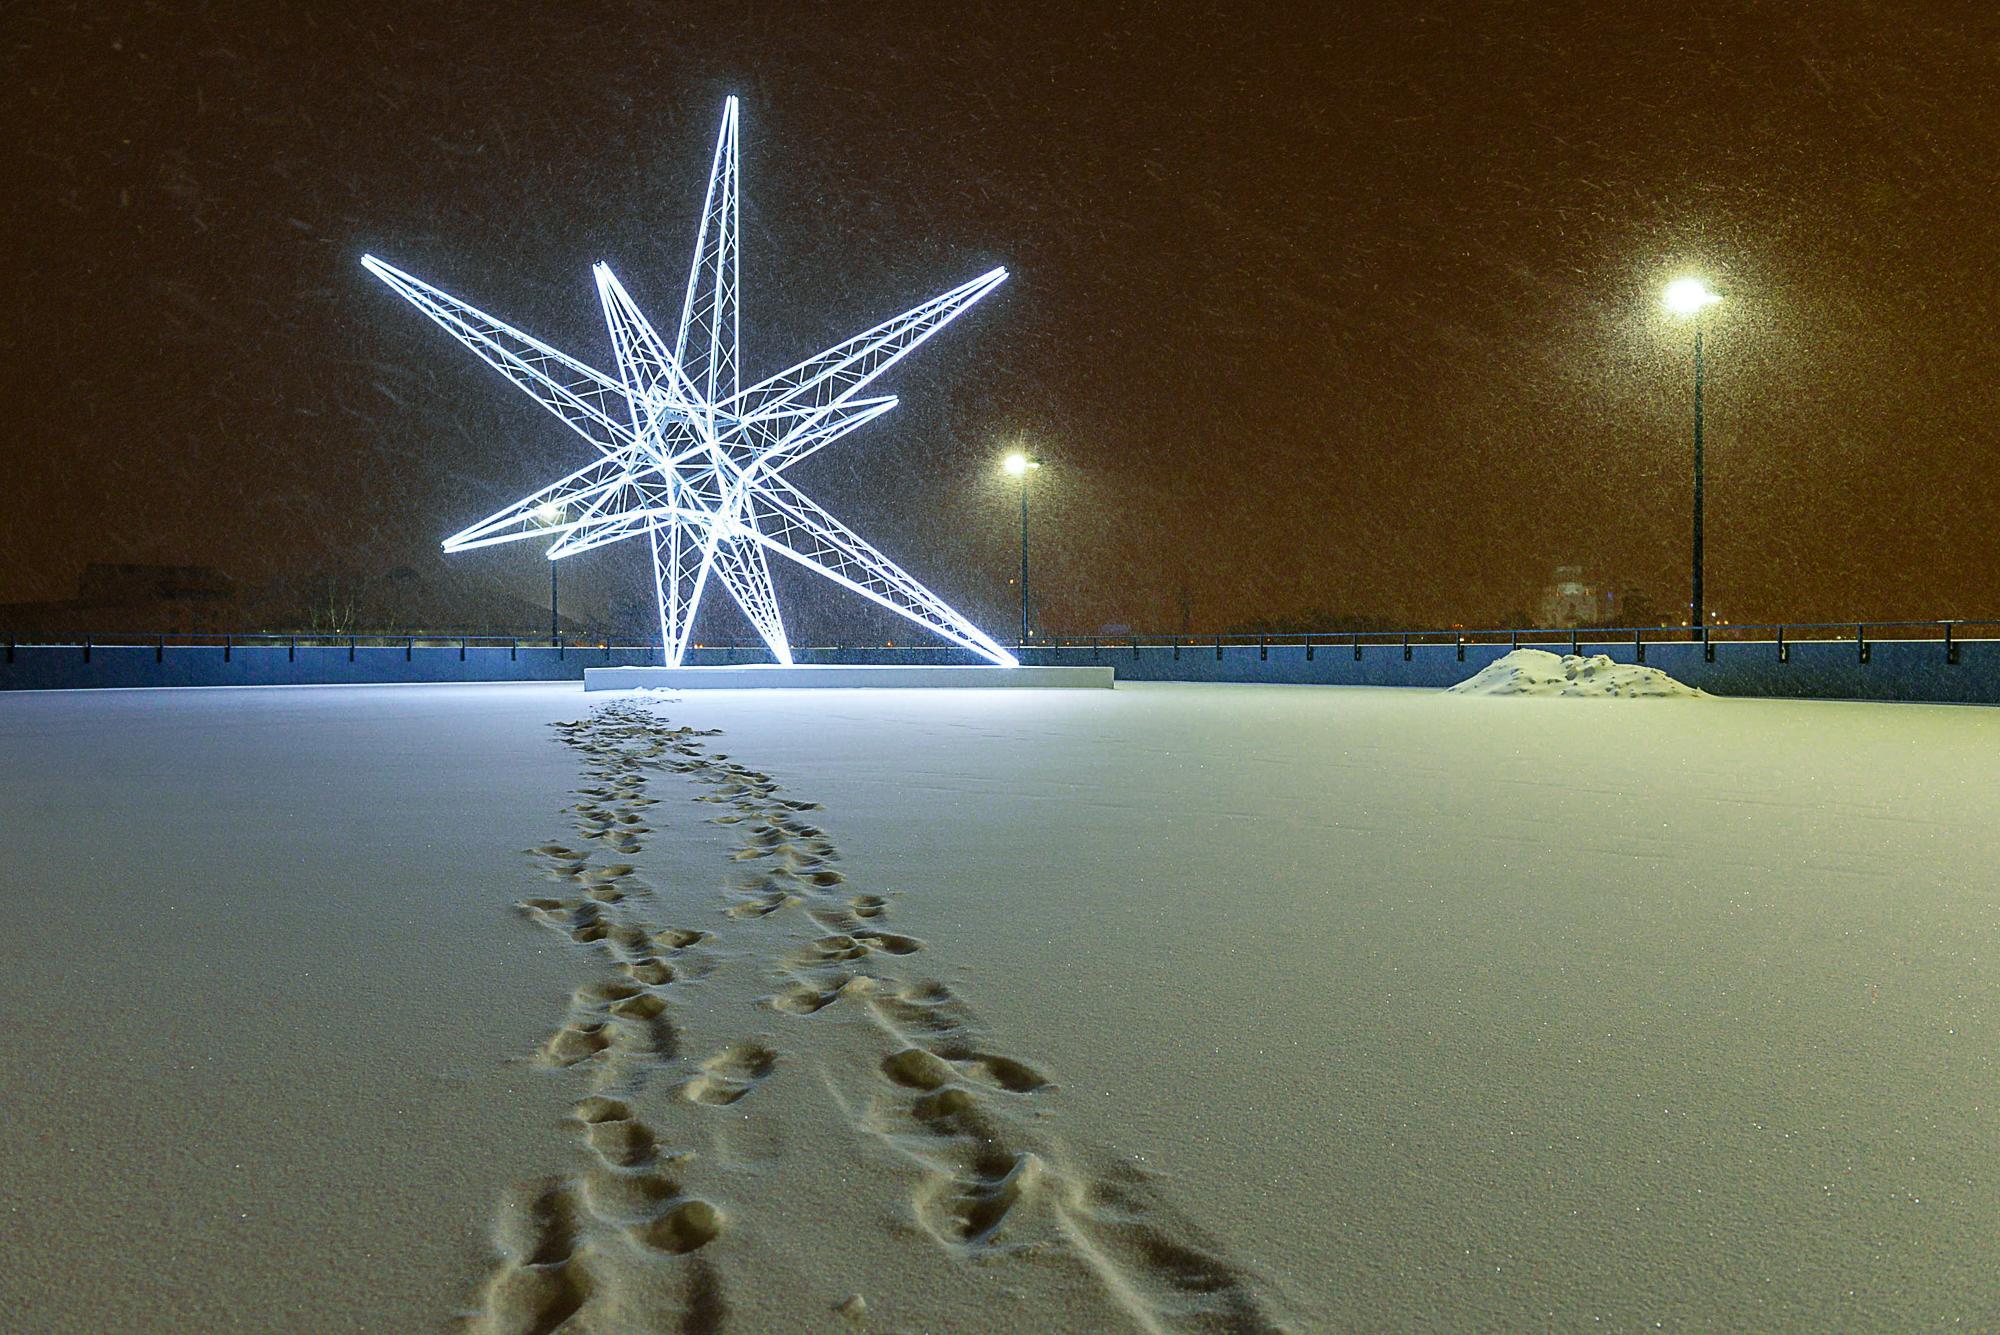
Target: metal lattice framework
<point>692,459</point>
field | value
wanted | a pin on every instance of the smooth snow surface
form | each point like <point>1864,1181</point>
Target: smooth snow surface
<point>1172,1007</point>
<point>1539,672</point>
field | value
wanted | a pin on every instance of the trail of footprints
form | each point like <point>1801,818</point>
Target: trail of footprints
<point>951,1107</point>
<point>619,1034</point>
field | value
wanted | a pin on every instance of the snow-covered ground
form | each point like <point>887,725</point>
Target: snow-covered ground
<point>1362,1008</point>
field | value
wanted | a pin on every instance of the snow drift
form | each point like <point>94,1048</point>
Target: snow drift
<point>1539,672</point>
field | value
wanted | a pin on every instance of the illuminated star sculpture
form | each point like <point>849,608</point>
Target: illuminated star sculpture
<point>690,458</point>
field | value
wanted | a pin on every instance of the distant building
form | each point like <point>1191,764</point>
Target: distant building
<point>120,597</point>
<point>105,584</point>
<point>1567,600</point>
<point>129,599</point>
<point>1572,599</point>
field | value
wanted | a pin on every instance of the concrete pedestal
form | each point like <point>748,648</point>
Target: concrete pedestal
<point>817,676</point>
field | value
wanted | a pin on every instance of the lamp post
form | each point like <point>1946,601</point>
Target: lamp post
<point>1020,465</point>
<point>552,514</point>
<point>1688,297</point>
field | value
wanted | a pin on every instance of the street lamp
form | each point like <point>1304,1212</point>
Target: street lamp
<point>1687,298</point>
<point>1020,465</point>
<point>551,514</point>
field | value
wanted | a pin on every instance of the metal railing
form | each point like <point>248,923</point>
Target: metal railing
<point>1947,632</point>
<point>1782,635</point>
<point>228,642</point>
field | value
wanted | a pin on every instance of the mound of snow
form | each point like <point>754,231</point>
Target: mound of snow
<point>1539,672</point>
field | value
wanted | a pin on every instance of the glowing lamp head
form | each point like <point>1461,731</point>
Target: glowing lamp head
<point>1687,296</point>
<point>550,513</point>
<point>1017,464</point>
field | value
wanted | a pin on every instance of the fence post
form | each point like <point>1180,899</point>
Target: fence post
<point>160,650</point>
<point>1309,648</point>
<point>1707,648</point>
<point>1514,639</point>
<point>461,648</point>
<point>228,643</point>
<point>1177,648</point>
<point>1406,646</point>
<point>560,654</point>
<point>1135,647</point>
<point>409,647</point>
<point>1357,646</point>
<point>513,650</point>
<point>1218,647</point>
<point>1638,646</point>
<point>1861,643</point>
<point>1575,644</point>
<point>292,649</point>
<point>1460,637</point>
<point>350,648</point>
<point>1784,650</point>
<point>86,651</point>
<point>1263,648</point>
<point>1950,647</point>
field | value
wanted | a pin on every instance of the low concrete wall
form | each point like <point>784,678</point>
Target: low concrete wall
<point>1821,669</point>
<point>71,667</point>
<point>48,667</point>
<point>1809,669</point>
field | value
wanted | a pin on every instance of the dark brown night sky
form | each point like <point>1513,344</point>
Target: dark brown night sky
<point>1342,307</point>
